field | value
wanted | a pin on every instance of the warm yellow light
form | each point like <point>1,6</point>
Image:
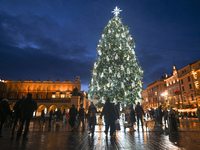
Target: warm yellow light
<point>53,96</point>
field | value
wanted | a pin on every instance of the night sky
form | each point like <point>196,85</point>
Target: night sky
<point>57,38</point>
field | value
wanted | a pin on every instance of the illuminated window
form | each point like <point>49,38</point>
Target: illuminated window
<point>62,95</point>
<point>53,96</point>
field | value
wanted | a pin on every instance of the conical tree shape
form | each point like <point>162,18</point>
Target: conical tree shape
<point>116,73</point>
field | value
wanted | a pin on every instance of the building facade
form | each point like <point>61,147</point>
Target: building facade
<point>180,90</point>
<point>187,86</point>
<point>154,93</point>
<point>48,95</point>
<point>173,93</point>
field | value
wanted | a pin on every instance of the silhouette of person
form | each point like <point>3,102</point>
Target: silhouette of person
<point>17,113</point>
<point>28,106</point>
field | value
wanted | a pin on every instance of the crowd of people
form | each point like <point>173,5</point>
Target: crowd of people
<point>24,108</point>
<point>23,112</point>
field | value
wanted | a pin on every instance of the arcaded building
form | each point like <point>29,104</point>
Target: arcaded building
<point>48,94</point>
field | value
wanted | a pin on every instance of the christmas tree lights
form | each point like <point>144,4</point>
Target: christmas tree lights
<point>116,73</point>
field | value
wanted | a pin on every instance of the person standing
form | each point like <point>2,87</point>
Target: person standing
<point>110,116</point>
<point>64,115</point>
<point>165,113</point>
<point>72,114</point>
<point>28,106</point>
<point>160,115</point>
<point>92,118</point>
<point>43,116</point>
<point>17,113</point>
<point>5,113</point>
<point>140,112</point>
<point>132,117</point>
<point>50,117</point>
<point>81,116</point>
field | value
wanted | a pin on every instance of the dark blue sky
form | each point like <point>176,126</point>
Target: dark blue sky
<point>58,38</point>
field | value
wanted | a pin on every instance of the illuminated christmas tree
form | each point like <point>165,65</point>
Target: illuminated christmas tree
<point>116,73</point>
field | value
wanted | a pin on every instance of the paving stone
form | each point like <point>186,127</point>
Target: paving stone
<point>59,137</point>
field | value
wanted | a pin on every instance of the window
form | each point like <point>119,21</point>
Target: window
<point>190,86</point>
<point>62,95</point>
<point>183,88</point>
<point>192,96</point>
<point>181,81</point>
<point>188,78</point>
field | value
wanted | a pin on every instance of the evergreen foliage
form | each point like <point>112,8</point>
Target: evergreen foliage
<point>116,72</point>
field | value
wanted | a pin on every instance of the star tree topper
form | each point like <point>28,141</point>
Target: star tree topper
<point>116,11</point>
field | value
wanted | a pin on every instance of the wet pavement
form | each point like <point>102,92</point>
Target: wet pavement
<point>59,136</point>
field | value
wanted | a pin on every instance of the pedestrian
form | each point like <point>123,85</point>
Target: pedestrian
<point>50,117</point>
<point>5,113</point>
<point>139,112</point>
<point>198,113</point>
<point>72,114</point>
<point>81,116</point>
<point>17,113</point>
<point>42,116</point>
<point>160,115</point>
<point>172,121</point>
<point>92,118</point>
<point>58,113</point>
<point>110,116</point>
<point>28,106</point>
<point>165,113</point>
<point>132,117</point>
<point>64,115</point>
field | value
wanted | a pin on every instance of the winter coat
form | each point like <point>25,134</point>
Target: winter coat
<point>4,110</point>
<point>17,107</point>
<point>139,111</point>
<point>81,112</point>
<point>92,111</point>
<point>109,112</point>
<point>132,115</point>
<point>73,112</point>
<point>28,106</point>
